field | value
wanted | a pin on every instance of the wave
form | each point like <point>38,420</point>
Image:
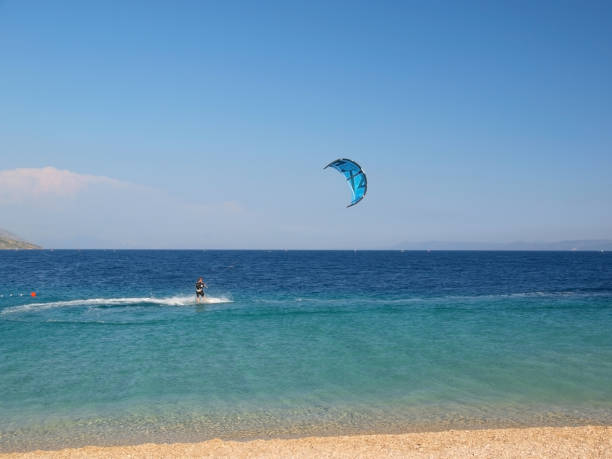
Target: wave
<point>400,300</point>
<point>137,301</point>
<point>305,300</point>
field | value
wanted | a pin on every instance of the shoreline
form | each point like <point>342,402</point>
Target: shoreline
<point>583,441</point>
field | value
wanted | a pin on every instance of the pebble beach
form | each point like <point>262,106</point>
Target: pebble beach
<point>537,442</point>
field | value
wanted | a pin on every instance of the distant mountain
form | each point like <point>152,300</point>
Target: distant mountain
<point>10,241</point>
<point>577,245</point>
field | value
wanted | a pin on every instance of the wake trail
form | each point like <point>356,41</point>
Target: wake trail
<point>124,301</point>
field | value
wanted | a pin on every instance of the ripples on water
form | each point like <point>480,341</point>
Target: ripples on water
<point>114,350</point>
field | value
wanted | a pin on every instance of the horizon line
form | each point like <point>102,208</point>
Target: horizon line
<point>305,250</point>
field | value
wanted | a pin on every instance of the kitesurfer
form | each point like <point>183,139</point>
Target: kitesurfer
<point>200,286</point>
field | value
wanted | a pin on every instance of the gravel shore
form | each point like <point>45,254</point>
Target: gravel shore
<point>565,442</point>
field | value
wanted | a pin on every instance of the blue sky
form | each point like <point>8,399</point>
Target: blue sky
<point>475,121</point>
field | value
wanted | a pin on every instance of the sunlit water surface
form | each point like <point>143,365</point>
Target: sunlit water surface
<point>113,349</point>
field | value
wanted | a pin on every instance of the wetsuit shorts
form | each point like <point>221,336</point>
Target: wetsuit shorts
<point>199,292</point>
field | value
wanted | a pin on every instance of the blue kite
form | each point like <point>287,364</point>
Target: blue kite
<point>355,177</point>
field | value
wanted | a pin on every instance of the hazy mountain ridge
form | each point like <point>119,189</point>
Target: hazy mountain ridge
<point>10,241</point>
<point>573,245</point>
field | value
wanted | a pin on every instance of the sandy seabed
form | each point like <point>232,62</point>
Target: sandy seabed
<point>566,442</point>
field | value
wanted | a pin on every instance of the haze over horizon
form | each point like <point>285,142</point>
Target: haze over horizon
<point>208,125</point>
<point>10,240</point>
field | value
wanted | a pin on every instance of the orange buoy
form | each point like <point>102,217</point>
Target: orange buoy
<point>33,294</point>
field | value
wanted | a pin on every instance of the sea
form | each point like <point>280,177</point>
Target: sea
<point>113,349</point>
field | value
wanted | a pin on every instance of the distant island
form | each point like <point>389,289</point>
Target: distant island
<point>9,241</point>
<point>574,245</point>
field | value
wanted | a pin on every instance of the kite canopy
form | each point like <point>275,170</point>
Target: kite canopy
<point>355,177</point>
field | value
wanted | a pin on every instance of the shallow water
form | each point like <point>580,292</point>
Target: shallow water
<point>114,350</point>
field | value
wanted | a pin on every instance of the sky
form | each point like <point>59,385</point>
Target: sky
<point>195,124</point>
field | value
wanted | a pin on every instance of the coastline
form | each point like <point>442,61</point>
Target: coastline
<point>583,441</point>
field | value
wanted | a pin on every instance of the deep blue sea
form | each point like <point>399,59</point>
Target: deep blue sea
<point>113,349</point>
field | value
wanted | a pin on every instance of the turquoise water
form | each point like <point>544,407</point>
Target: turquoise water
<point>114,350</point>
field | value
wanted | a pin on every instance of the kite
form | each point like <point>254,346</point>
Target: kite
<point>355,177</point>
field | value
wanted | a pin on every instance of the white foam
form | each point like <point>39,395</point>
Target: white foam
<point>170,301</point>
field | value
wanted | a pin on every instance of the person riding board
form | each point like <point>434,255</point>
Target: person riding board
<point>200,286</point>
